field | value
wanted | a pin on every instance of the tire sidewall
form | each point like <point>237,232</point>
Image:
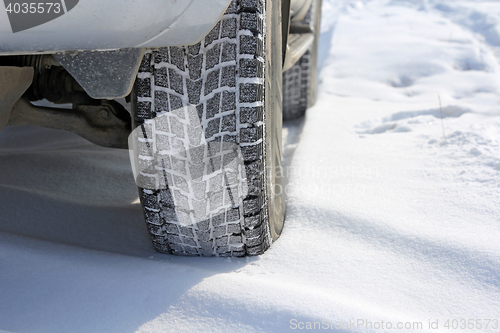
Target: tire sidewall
<point>273,116</point>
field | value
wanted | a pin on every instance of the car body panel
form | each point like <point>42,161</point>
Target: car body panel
<point>112,24</point>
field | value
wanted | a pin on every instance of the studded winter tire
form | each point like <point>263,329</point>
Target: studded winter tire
<point>299,82</point>
<point>207,140</point>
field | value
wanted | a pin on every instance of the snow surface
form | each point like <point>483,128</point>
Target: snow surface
<point>393,199</point>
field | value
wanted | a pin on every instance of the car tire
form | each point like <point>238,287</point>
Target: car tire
<point>228,86</point>
<point>300,81</point>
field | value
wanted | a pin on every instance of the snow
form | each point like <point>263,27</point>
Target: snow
<point>393,199</point>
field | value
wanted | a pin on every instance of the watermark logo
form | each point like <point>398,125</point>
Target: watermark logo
<point>206,178</point>
<point>25,14</point>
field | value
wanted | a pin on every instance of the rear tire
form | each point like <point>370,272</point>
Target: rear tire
<point>299,82</point>
<point>227,88</point>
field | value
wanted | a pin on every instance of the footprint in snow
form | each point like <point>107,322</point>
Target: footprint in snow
<point>404,121</point>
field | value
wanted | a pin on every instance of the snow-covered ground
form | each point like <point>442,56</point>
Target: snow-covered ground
<point>393,201</point>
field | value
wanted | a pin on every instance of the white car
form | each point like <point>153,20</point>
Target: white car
<point>208,82</point>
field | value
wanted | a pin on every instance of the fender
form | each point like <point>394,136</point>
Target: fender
<point>106,25</point>
<point>101,43</point>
